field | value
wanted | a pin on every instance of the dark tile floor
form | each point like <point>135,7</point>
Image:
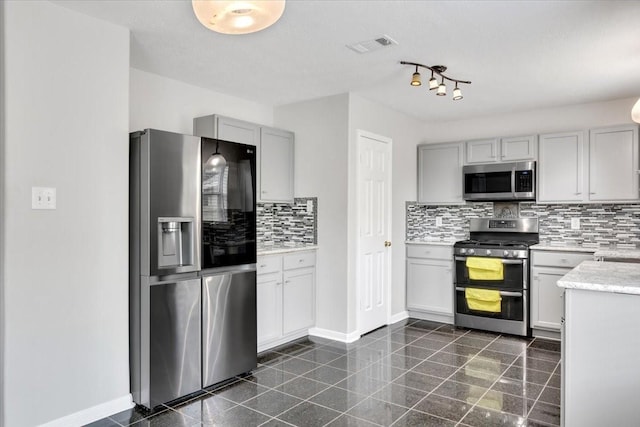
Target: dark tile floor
<point>413,373</point>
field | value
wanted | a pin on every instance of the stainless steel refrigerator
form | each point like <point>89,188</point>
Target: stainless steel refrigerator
<point>186,322</point>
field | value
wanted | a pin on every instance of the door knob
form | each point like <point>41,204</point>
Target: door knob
<point>387,243</point>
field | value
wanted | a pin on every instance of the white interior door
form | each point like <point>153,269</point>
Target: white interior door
<point>374,225</point>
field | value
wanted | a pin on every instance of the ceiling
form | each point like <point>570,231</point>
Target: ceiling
<point>519,55</point>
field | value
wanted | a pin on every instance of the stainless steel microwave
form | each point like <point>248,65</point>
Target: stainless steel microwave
<point>499,181</point>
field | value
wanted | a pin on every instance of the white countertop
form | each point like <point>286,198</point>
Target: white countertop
<point>629,254</point>
<point>283,249</point>
<point>614,277</point>
<point>563,247</point>
<point>441,242</point>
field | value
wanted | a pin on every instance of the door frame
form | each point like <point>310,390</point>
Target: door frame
<point>388,211</point>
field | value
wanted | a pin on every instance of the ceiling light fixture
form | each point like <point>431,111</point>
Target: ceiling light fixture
<point>442,88</point>
<point>238,17</point>
<point>635,112</point>
<point>415,79</point>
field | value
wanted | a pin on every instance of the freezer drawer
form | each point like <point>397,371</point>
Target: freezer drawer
<point>174,356</point>
<point>229,325</point>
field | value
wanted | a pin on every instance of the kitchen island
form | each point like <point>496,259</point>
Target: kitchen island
<point>601,344</point>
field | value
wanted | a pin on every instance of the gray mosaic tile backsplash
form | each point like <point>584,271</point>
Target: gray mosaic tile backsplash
<point>284,223</point>
<point>600,225</point>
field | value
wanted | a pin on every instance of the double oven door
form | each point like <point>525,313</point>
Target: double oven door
<point>513,315</point>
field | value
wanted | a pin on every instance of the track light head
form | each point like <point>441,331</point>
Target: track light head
<point>433,82</point>
<point>457,93</point>
<point>442,89</point>
<point>415,79</point>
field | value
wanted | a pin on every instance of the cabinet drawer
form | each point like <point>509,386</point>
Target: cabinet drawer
<point>428,251</point>
<point>299,260</point>
<point>269,264</point>
<point>560,259</point>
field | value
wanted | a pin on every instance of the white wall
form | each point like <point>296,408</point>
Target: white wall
<point>548,120</point>
<point>405,132</point>
<point>66,282</point>
<point>321,131</point>
<point>162,103</point>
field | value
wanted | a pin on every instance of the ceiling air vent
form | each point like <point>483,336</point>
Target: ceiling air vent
<point>371,45</point>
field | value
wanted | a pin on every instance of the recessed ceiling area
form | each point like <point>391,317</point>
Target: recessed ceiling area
<point>519,55</point>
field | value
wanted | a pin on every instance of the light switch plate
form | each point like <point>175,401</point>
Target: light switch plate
<point>438,221</point>
<point>43,198</point>
<point>575,223</point>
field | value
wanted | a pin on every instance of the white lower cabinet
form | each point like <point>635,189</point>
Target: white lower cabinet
<point>430,282</point>
<point>285,297</point>
<point>547,307</point>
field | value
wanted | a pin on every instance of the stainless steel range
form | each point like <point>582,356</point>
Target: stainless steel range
<point>503,243</point>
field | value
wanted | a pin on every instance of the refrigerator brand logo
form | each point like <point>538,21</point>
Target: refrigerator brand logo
<point>250,151</point>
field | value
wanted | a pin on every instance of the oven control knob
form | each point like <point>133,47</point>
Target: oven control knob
<point>506,253</point>
<point>488,252</point>
<point>463,251</point>
<point>471,251</point>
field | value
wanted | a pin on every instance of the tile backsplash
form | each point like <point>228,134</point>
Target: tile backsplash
<point>600,224</point>
<point>288,223</point>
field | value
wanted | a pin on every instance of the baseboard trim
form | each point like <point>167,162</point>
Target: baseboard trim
<point>398,317</point>
<point>442,318</point>
<point>333,335</point>
<point>94,413</point>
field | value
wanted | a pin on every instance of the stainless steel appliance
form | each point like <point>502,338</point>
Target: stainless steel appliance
<point>229,340</point>
<point>190,327</point>
<point>164,264</point>
<point>499,181</point>
<point>508,241</point>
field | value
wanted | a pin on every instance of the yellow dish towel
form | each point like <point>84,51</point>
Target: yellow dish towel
<point>485,268</point>
<point>483,299</point>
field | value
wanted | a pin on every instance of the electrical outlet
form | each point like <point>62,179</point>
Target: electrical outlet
<point>438,221</point>
<point>575,223</point>
<point>309,206</point>
<point>43,198</point>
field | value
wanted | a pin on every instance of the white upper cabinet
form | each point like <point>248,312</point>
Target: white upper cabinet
<point>518,148</point>
<point>229,129</point>
<point>500,150</point>
<point>440,173</point>
<point>482,151</point>
<point>561,167</point>
<point>276,158</point>
<point>613,164</point>
<point>603,168</point>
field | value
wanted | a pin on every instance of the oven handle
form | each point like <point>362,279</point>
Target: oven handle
<point>504,261</point>
<point>502,293</point>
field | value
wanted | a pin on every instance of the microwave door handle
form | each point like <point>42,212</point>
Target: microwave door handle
<point>513,181</point>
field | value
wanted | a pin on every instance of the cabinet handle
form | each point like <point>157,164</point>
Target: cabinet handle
<point>287,281</point>
<point>577,194</point>
<point>592,192</point>
<point>263,265</point>
<point>564,260</point>
<point>278,283</point>
<point>301,260</point>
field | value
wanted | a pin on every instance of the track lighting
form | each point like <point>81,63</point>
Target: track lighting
<point>433,81</point>
<point>457,93</point>
<point>442,89</point>
<point>415,79</point>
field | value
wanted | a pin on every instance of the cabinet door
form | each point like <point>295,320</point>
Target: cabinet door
<point>276,160</point>
<point>613,164</point>
<point>518,148</point>
<point>298,311</point>
<point>440,173</point>
<point>269,307</point>
<point>234,130</point>
<point>482,151</point>
<point>430,286</point>
<point>561,167</point>
<point>547,306</point>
